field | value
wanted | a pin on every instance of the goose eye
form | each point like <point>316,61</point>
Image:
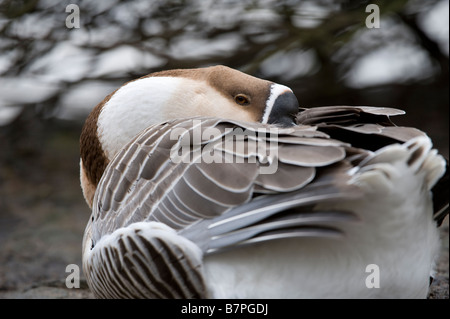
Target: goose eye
<point>242,99</point>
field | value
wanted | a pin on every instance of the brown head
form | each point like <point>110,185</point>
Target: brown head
<point>216,91</point>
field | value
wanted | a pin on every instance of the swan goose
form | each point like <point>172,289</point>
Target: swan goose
<point>298,205</point>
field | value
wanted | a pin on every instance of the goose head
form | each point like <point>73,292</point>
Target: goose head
<point>216,91</point>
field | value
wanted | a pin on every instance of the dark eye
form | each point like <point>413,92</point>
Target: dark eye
<point>242,99</point>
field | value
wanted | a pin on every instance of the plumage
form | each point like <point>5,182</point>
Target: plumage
<point>259,201</point>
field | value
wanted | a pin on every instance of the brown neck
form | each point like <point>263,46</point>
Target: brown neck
<point>91,152</point>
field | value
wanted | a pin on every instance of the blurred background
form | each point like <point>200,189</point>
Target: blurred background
<point>52,75</point>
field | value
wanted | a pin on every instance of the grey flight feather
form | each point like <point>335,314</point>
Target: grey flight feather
<point>149,186</point>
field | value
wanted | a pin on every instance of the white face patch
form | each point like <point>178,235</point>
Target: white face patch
<point>275,91</point>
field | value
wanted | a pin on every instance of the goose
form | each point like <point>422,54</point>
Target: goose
<point>211,183</point>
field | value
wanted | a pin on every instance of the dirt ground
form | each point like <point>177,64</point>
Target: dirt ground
<point>43,216</point>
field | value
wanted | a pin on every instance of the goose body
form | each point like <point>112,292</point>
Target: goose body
<point>210,183</point>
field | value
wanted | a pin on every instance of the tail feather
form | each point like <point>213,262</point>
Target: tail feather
<point>281,213</point>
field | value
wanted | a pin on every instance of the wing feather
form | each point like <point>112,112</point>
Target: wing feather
<point>143,182</point>
<point>190,207</point>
